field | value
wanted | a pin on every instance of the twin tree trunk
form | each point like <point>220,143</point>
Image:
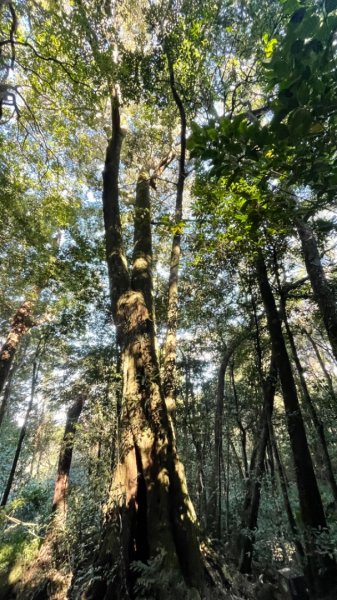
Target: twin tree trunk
<point>150,514</point>
<point>321,569</point>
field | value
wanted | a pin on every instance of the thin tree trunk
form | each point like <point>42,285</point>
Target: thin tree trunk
<point>117,266</point>
<point>22,435</point>
<point>189,420</point>
<point>243,435</point>
<point>270,461</point>
<point>237,460</point>
<point>321,568</point>
<point>65,457</point>
<point>170,348</point>
<point>253,490</point>
<point>214,509</point>
<point>284,489</point>
<point>323,292</point>
<point>317,422</point>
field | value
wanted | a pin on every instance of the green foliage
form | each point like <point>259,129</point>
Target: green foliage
<point>17,550</point>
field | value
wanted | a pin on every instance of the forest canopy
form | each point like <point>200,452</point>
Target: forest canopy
<point>168,287</point>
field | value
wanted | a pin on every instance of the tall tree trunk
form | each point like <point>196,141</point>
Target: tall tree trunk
<point>243,435</point>
<point>284,489</point>
<point>323,292</point>
<point>22,435</point>
<point>190,419</point>
<point>21,324</point>
<point>65,457</point>
<point>170,349</point>
<point>317,422</point>
<point>117,265</point>
<point>214,508</point>
<point>149,513</point>
<point>321,570</point>
<point>252,497</point>
<point>7,392</point>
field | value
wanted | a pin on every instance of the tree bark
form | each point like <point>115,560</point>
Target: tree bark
<point>237,460</point>
<point>65,457</point>
<point>22,435</point>
<point>115,255</point>
<point>190,419</point>
<point>317,422</point>
<point>323,293</point>
<point>214,508</point>
<point>321,571</point>
<point>21,324</point>
<point>149,513</point>
<point>252,497</point>
<point>284,488</point>
<point>243,435</point>
<point>7,391</point>
<point>170,349</point>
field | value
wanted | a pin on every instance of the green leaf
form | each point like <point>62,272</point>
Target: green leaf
<point>302,93</point>
<point>290,5</point>
<point>211,133</point>
<point>281,69</point>
<point>316,128</point>
<point>310,26</point>
<point>296,46</point>
<point>281,131</point>
<point>300,120</point>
